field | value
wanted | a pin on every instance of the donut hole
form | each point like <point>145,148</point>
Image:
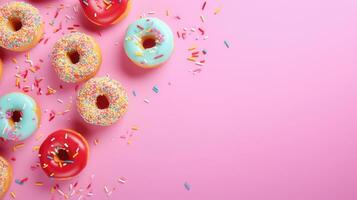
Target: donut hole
<point>15,24</point>
<point>148,41</point>
<point>16,116</point>
<point>102,102</point>
<point>73,56</point>
<point>62,154</point>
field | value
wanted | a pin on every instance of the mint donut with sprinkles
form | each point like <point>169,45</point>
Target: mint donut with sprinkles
<point>149,42</point>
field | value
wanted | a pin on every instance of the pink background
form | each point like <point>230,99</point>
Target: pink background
<point>272,117</point>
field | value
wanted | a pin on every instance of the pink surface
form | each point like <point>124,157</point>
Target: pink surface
<point>272,117</point>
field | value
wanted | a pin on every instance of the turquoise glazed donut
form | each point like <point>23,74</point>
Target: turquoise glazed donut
<point>19,116</point>
<point>149,42</point>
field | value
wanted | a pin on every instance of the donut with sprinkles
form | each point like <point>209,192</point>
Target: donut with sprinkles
<point>20,116</point>
<point>76,57</point>
<point>149,42</point>
<point>105,12</point>
<point>5,176</point>
<point>102,101</point>
<point>21,26</point>
<point>64,154</point>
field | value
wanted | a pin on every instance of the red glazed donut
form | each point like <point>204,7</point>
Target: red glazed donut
<point>64,154</point>
<point>105,12</point>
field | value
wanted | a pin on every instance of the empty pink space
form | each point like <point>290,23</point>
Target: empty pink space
<point>272,117</point>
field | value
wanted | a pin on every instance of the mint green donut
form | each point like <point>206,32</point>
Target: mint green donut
<point>137,36</point>
<point>28,122</point>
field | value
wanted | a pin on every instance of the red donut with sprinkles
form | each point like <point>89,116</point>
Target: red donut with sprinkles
<point>64,154</point>
<point>105,12</point>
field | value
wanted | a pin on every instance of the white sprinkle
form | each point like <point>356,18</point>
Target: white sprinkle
<point>199,64</point>
<point>146,101</point>
<point>122,180</point>
<point>29,61</point>
<point>106,189</point>
<point>202,18</point>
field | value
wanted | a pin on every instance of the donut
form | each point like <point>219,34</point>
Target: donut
<point>21,26</point>
<point>19,116</point>
<point>107,12</point>
<point>149,42</point>
<point>76,57</point>
<point>0,69</point>
<point>63,154</point>
<point>5,176</point>
<point>102,101</point>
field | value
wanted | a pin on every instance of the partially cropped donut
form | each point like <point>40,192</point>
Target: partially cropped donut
<point>21,26</point>
<point>64,154</point>
<point>149,42</point>
<point>5,176</point>
<point>105,13</point>
<point>19,116</point>
<point>0,69</point>
<point>76,57</point>
<point>102,101</point>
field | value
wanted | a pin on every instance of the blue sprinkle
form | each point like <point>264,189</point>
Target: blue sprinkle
<point>187,186</point>
<point>19,182</point>
<point>134,93</point>
<point>68,161</point>
<point>49,157</point>
<point>226,43</point>
<point>155,89</point>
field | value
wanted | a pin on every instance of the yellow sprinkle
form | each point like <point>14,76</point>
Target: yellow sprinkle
<point>13,195</point>
<point>75,155</point>
<point>217,10</point>
<point>107,2</point>
<point>32,69</point>
<point>192,48</point>
<point>52,174</point>
<point>35,148</point>
<point>134,128</point>
<point>96,141</point>
<point>39,183</point>
<point>139,53</point>
<point>14,60</point>
<point>18,146</point>
<point>191,59</point>
<point>28,55</point>
<point>167,12</point>
<point>17,83</point>
<point>108,7</point>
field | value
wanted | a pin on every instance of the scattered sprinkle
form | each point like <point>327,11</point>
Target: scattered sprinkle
<point>226,43</point>
<point>187,186</point>
<point>155,89</point>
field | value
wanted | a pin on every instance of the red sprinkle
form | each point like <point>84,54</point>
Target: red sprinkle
<point>204,5</point>
<point>159,56</point>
